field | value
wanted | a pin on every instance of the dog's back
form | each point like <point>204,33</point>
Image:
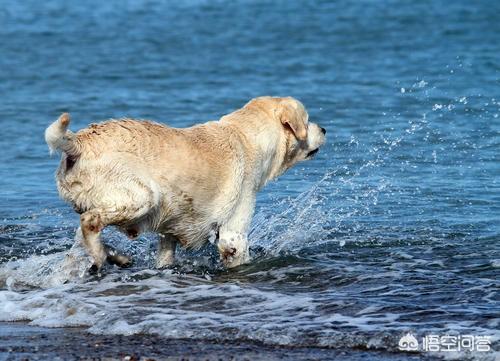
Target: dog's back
<point>102,165</point>
<point>145,171</point>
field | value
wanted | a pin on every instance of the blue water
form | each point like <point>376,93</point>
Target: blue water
<point>392,228</point>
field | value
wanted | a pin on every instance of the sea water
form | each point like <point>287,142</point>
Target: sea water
<point>393,227</point>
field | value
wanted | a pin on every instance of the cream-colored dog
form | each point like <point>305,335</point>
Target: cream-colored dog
<point>190,185</point>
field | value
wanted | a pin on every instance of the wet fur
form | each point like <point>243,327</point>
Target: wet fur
<point>189,184</point>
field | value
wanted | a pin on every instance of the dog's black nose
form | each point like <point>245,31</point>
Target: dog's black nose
<point>323,130</point>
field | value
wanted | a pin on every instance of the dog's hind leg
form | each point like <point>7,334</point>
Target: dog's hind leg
<point>166,250</point>
<point>118,197</point>
<point>93,222</point>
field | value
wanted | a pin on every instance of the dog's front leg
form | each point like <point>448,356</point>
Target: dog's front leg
<point>233,248</point>
<point>233,239</point>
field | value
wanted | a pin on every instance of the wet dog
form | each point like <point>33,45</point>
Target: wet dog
<point>189,185</point>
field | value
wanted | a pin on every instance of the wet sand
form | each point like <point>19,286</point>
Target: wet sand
<point>19,341</point>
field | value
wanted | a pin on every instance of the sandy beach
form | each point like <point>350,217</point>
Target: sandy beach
<point>19,341</point>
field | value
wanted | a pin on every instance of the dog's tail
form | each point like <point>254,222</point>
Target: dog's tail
<point>58,137</point>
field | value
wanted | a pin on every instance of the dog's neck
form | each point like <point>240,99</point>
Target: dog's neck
<point>268,165</point>
<point>265,161</point>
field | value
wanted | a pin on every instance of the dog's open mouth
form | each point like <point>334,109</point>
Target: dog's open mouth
<point>312,153</point>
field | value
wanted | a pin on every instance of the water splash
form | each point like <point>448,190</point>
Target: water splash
<point>45,271</point>
<point>313,218</point>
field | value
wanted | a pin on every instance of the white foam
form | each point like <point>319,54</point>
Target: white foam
<point>46,270</point>
<point>175,306</point>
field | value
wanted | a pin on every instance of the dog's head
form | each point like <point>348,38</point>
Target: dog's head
<point>296,138</point>
<point>304,138</point>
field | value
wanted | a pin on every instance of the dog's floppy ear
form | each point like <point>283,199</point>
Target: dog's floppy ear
<point>291,113</point>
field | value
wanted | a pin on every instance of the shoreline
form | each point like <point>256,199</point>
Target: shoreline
<point>20,341</point>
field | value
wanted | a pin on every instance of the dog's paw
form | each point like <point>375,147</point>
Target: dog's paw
<point>91,222</point>
<point>97,264</point>
<point>233,249</point>
<point>164,263</point>
<point>115,258</point>
<point>119,260</point>
<point>94,270</point>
